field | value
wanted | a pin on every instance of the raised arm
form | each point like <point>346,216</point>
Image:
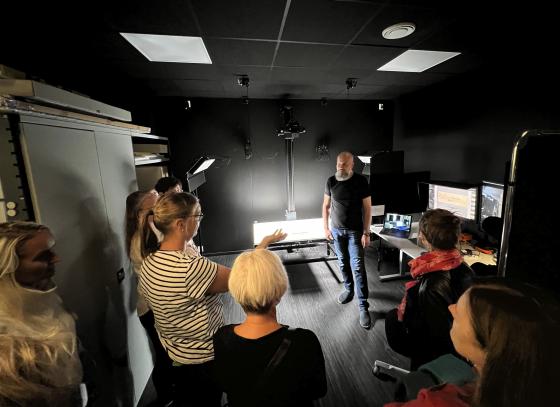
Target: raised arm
<point>220,283</point>
<point>326,211</point>
<point>366,206</point>
<point>277,236</point>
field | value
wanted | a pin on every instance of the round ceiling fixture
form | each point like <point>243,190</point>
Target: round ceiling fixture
<point>398,31</point>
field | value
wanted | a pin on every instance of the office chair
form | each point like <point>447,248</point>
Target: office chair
<point>445,369</point>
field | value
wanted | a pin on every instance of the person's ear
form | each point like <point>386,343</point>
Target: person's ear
<point>180,224</point>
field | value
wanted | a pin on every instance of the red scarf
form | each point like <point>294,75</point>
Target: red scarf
<point>437,260</point>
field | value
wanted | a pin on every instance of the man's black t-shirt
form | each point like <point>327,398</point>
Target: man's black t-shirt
<point>346,201</point>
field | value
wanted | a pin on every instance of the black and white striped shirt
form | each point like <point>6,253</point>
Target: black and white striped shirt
<point>174,284</point>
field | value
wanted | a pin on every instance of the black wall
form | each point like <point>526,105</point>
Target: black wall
<point>464,129</point>
<point>240,191</point>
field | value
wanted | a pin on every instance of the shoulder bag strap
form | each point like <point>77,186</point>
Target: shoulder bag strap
<point>276,358</point>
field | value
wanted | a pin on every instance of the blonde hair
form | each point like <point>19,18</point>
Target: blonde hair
<point>39,363</point>
<point>169,207</point>
<point>258,280</point>
<point>12,237</point>
<point>37,367</point>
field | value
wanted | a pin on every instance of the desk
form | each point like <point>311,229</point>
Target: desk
<point>412,250</point>
<point>405,246</point>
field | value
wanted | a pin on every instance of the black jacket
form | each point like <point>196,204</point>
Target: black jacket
<point>427,318</point>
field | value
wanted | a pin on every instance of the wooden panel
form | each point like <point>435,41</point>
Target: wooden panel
<point>16,87</point>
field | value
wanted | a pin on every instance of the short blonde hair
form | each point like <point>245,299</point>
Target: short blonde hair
<point>258,280</point>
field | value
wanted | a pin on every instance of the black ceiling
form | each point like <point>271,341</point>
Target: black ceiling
<point>296,48</point>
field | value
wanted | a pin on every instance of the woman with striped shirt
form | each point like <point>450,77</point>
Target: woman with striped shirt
<point>182,290</point>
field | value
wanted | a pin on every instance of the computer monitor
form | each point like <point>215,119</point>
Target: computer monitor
<point>400,193</point>
<point>462,201</point>
<point>491,200</point>
<point>387,162</point>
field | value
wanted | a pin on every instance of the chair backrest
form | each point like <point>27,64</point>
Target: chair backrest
<point>493,226</point>
<point>530,237</point>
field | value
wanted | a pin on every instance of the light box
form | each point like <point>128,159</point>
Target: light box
<point>300,230</point>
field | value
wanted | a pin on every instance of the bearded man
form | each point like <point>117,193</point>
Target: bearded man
<point>347,202</point>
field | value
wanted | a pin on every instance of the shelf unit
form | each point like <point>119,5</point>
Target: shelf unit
<point>155,165</point>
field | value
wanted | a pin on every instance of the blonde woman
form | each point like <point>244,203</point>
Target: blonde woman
<point>137,205</point>
<point>39,364</point>
<point>182,289</point>
<point>261,362</point>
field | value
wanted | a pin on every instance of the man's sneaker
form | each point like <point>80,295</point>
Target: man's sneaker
<point>345,296</point>
<point>365,319</point>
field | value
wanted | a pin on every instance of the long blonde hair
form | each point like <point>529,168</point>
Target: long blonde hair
<point>39,363</point>
<point>37,366</point>
<point>12,237</point>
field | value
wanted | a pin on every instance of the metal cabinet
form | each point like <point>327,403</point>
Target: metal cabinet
<point>76,176</point>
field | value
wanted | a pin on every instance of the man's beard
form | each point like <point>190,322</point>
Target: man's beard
<point>343,176</point>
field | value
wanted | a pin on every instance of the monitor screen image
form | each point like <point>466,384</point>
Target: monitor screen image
<point>460,201</point>
<point>491,199</point>
<point>396,221</point>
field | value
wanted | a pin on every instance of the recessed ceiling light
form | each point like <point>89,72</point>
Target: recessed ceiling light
<point>415,60</point>
<point>400,30</point>
<point>170,48</point>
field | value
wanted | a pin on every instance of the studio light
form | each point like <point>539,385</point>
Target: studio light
<point>201,164</point>
<point>366,159</point>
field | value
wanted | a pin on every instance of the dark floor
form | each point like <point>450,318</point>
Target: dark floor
<point>348,348</point>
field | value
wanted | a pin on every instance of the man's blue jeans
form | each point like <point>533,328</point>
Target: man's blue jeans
<point>350,253</point>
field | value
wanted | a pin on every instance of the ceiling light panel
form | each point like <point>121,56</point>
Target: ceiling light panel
<point>415,60</point>
<point>170,48</point>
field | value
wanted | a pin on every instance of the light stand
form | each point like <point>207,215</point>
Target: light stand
<point>196,178</point>
<point>289,132</point>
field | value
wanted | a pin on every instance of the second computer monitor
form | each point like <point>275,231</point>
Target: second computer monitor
<point>459,201</point>
<point>491,199</point>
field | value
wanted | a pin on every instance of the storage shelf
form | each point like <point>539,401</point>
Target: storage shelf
<point>150,161</point>
<point>150,136</point>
